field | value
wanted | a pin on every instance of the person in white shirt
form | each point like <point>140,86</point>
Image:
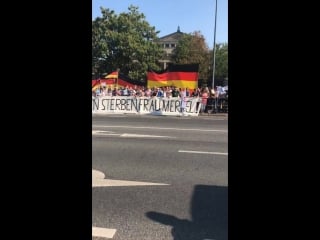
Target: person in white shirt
<point>183,103</point>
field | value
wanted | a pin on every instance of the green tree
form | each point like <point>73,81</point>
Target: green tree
<point>221,67</point>
<point>124,42</point>
<point>192,48</point>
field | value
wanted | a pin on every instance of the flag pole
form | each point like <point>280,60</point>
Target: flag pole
<point>118,70</point>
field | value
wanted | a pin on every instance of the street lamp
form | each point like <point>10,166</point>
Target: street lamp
<point>214,45</point>
<point>214,56</point>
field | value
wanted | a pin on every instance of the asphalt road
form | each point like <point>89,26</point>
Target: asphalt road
<point>186,155</point>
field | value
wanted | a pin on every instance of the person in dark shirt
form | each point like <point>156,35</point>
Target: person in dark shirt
<point>175,92</point>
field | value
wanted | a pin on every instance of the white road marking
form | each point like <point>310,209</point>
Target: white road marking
<point>143,136</point>
<point>119,183</point>
<point>104,133</point>
<point>101,131</point>
<point>177,129</point>
<point>103,232</point>
<point>200,152</point>
<point>108,133</point>
<point>98,180</point>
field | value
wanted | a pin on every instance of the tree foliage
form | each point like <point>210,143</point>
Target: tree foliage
<point>221,67</point>
<point>124,42</point>
<point>192,48</point>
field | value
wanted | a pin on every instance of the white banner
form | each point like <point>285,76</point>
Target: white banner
<point>144,105</point>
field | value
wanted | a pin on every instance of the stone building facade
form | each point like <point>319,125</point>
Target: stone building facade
<point>169,43</point>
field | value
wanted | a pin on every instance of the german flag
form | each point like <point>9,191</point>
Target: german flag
<point>124,81</point>
<point>95,84</point>
<point>178,75</point>
<point>98,83</point>
<point>115,79</point>
<point>112,75</point>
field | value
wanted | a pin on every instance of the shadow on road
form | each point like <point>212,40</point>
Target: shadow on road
<point>209,211</point>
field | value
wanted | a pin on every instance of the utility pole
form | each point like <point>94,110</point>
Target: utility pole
<point>214,56</point>
<point>214,45</point>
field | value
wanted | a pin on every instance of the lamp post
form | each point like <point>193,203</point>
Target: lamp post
<point>214,55</point>
<point>214,45</point>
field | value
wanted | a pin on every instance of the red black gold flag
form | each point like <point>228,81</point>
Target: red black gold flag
<point>115,79</point>
<point>113,75</point>
<point>181,76</point>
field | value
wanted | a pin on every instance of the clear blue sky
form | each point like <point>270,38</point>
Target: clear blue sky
<point>167,15</point>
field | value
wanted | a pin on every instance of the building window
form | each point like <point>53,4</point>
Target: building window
<point>167,45</point>
<point>173,45</point>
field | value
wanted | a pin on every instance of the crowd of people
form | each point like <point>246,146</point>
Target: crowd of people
<point>203,93</point>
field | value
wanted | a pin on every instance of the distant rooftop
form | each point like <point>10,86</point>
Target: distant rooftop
<point>176,34</point>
